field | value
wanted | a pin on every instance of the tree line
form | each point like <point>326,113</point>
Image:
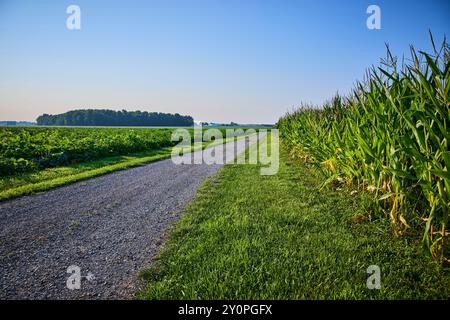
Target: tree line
<point>96,117</point>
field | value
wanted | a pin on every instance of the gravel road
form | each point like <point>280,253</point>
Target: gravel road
<point>110,227</point>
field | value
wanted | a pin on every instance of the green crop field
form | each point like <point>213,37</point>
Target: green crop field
<point>32,148</point>
<point>390,138</point>
<point>233,152</point>
<point>34,159</point>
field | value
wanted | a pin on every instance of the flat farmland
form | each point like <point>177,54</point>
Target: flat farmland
<point>34,159</point>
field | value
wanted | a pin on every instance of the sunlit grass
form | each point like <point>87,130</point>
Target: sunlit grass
<point>248,236</point>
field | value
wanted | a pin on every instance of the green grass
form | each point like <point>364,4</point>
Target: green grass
<point>32,182</point>
<point>248,236</point>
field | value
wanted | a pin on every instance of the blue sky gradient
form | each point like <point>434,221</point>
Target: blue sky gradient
<point>246,61</point>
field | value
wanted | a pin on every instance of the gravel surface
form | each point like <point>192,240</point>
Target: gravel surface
<point>110,227</point>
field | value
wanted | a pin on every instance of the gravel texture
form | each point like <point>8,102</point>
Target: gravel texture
<point>110,226</point>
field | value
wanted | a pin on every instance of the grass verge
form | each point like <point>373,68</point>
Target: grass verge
<point>248,236</point>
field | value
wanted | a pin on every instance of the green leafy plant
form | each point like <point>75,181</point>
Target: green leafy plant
<point>389,137</point>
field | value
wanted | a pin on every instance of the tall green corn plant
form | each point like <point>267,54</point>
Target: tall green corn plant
<point>390,137</point>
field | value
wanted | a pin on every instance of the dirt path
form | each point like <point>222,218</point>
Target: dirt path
<point>110,227</point>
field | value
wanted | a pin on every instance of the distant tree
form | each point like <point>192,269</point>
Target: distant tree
<point>103,117</point>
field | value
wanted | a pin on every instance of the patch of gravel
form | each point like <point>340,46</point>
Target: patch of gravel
<point>110,226</point>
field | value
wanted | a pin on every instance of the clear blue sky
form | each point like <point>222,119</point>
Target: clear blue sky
<point>229,60</point>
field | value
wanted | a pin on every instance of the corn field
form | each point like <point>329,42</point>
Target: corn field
<point>389,137</point>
